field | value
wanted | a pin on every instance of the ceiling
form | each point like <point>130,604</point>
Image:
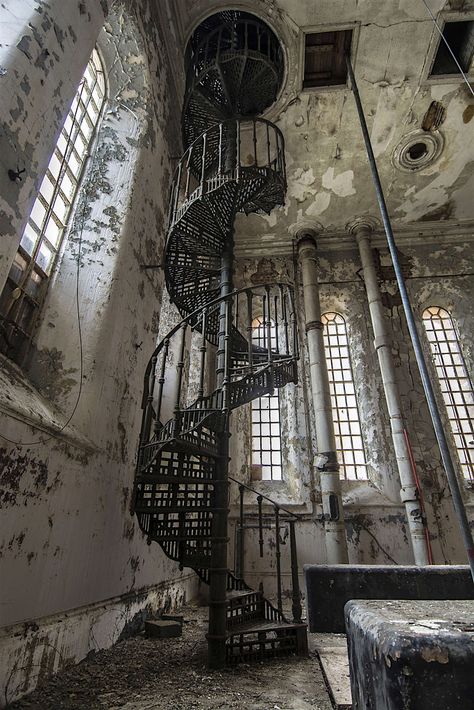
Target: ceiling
<point>328,175</point>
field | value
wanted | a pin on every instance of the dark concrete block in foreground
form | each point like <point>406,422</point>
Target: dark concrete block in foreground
<point>329,587</point>
<point>411,655</point>
<point>163,629</point>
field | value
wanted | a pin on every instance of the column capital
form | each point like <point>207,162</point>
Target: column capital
<point>362,227</point>
<point>306,231</point>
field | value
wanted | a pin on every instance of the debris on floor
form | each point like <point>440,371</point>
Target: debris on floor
<point>171,674</point>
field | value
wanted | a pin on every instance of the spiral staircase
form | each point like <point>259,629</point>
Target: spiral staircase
<point>210,364</point>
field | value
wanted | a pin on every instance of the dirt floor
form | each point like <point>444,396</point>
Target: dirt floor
<point>144,674</point>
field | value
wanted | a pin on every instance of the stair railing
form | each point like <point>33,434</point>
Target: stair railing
<point>253,143</point>
<point>281,518</point>
<point>251,368</point>
<point>241,36</point>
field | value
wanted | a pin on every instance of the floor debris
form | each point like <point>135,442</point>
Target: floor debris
<point>171,674</point>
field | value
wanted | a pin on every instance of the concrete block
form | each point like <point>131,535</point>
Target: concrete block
<point>163,628</point>
<point>329,587</point>
<point>411,655</point>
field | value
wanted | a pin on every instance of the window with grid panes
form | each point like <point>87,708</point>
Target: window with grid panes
<point>266,433</point>
<point>454,381</point>
<point>27,282</point>
<point>345,412</point>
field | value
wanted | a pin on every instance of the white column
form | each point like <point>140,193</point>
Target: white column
<point>408,492</point>
<point>326,459</point>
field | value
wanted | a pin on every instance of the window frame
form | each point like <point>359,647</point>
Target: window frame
<point>30,300</point>
<point>442,19</point>
<point>259,337</point>
<point>316,29</point>
<point>448,394</point>
<point>339,420</point>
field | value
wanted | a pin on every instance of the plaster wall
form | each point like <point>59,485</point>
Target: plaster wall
<point>69,419</point>
<point>376,525</point>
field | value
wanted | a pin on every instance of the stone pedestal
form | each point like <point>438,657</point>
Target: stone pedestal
<point>411,655</point>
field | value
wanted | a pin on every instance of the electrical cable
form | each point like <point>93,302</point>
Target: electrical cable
<point>448,46</point>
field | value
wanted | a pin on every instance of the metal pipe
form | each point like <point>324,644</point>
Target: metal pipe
<point>278,558</point>
<point>295,582</point>
<point>415,338</point>
<point>325,460</point>
<point>383,346</point>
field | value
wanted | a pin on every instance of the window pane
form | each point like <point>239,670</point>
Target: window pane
<point>344,403</point>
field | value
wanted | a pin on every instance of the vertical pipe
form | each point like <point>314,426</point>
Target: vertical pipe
<point>277,343</point>
<point>203,165</point>
<point>295,582</point>
<point>241,532</point>
<point>326,459</point>
<point>254,122</point>
<point>260,525</point>
<point>415,338</point>
<point>249,328</point>
<point>278,557</point>
<point>180,368</point>
<point>382,344</point>
<point>218,569</point>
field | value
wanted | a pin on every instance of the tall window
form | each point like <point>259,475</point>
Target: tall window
<point>455,383</point>
<point>27,282</point>
<point>345,411</point>
<point>266,433</point>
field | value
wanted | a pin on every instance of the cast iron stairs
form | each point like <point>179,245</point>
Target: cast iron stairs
<point>234,162</point>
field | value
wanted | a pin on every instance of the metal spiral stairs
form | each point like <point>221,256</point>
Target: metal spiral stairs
<point>209,364</point>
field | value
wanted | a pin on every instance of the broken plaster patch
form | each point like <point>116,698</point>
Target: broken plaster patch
<point>319,204</point>
<point>299,184</point>
<point>341,185</point>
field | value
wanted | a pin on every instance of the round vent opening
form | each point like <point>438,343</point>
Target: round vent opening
<point>417,150</point>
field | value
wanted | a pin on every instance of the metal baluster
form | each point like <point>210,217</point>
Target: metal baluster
<point>203,351</point>
<point>188,175</point>
<point>268,325</point>
<point>260,525</point>
<point>161,382</point>
<point>295,582</point>
<point>285,324</point>
<point>278,557</point>
<point>255,142</point>
<point>203,165</point>
<point>236,318</point>
<point>148,415</point>
<point>180,368</point>
<point>177,187</point>
<point>249,328</point>
<point>219,169</point>
<point>238,150</point>
<point>264,320</point>
<point>277,344</point>
<point>269,157</point>
<point>240,538</point>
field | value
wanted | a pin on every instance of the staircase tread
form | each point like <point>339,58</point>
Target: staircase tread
<point>263,625</point>
<point>236,593</point>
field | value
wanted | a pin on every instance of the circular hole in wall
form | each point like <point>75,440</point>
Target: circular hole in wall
<point>417,150</point>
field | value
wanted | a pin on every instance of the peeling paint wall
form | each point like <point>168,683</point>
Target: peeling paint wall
<point>376,525</point>
<point>67,531</point>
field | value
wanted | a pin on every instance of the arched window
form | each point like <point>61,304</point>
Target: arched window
<point>27,282</point>
<point>266,433</point>
<point>345,411</point>
<point>454,381</point>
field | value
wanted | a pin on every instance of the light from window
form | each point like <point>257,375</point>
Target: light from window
<point>455,383</point>
<point>266,432</point>
<point>345,412</point>
<point>28,279</point>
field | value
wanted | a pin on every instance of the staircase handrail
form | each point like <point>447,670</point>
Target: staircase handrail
<point>291,520</point>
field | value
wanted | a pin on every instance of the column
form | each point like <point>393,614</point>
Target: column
<point>326,459</point>
<point>409,494</point>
